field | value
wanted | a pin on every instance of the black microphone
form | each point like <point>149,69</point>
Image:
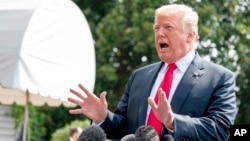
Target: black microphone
<point>92,133</point>
<point>167,138</point>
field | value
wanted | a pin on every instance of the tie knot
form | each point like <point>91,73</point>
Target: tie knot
<point>172,67</point>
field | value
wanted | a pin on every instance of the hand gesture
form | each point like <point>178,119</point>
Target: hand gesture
<point>163,110</point>
<point>90,105</point>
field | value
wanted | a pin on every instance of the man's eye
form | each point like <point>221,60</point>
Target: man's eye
<point>156,28</point>
<point>168,27</point>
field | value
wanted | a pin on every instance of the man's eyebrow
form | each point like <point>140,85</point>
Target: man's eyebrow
<point>167,23</point>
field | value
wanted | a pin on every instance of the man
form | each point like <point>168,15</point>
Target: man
<point>74,133</point>
<point>200,103</point>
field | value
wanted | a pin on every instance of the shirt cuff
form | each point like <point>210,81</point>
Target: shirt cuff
<point>93,123</point>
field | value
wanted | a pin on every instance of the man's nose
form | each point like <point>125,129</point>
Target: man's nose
<point>161,32</point>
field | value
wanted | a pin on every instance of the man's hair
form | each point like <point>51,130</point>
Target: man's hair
<point>188,16</point>
<point>129,137</point>
<point>92,133</point>
<point>146,133</point>
<point>73,130</point>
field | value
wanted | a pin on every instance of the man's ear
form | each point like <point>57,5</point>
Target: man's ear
<point>190,36</point>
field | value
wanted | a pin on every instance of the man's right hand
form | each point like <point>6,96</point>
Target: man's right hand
<point>92,106</point>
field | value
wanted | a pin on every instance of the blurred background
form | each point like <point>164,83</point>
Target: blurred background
<point>124,41</point>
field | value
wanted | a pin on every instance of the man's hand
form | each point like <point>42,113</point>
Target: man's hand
<point>92,106</point>
<point>163,110</point>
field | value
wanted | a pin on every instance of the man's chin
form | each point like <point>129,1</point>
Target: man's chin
<point>166,59</point>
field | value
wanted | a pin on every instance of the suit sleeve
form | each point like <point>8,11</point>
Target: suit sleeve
<point>115,124</point>
<point>217,118</point>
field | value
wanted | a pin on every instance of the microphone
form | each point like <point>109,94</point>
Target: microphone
<point>167,138</point>
<point>129,137</point>
<point>146,133</point>
<point>92,133</point>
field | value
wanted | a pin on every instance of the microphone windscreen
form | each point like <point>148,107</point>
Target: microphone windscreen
<point>129,137</point>
<point>167,138</point>
<point>92,133</point>
<point>146,133</point>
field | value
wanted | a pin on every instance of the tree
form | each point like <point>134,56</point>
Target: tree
<point>125,42</point>
<point>44,120</point>
<point>95,10</point>
<point>124,39</point>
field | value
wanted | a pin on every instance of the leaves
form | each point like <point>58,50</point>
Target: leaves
<point>124,42</point>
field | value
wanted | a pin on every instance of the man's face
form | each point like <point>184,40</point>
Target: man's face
<point>77,134</point>
<point>170,39</point>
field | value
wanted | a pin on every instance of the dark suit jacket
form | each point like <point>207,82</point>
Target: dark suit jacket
<point>204,103</point>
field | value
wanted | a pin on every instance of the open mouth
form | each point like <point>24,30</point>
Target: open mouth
<point>164,45</point>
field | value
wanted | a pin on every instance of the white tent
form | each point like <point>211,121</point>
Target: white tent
<point>46,47</point>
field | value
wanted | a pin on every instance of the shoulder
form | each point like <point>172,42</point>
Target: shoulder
<point>217,72</point>
<point>209,66</point>
<point>150,67</point>
<point>146,71</point>
<point>217,68</point>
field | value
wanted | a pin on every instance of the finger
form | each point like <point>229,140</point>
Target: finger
<point>163,102</point>
<point>103,97</point>
<point>152,103</point>
<point>75,111</point>
<point>87,92</point>
<point>77,94</point>
<point>77,102</point>
<point>168,104</point>
<point>161,96</point>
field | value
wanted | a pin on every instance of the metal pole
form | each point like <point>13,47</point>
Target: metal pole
<point>26,116</point>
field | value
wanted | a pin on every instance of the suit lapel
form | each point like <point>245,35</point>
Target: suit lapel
<point>193,73</point>
<point>147,85</point>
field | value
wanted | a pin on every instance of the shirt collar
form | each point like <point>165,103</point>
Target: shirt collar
<point>183,63</point>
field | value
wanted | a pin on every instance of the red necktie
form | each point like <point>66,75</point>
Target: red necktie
<point>165,85</point>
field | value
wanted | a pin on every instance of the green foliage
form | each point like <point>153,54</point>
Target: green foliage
<point>35,128</point>
<point>95,10</point>
<point>17,112</point>
<point>124,41</point>
<point>43,120</point>
<point>62,134</point>
<point>35,133</point>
